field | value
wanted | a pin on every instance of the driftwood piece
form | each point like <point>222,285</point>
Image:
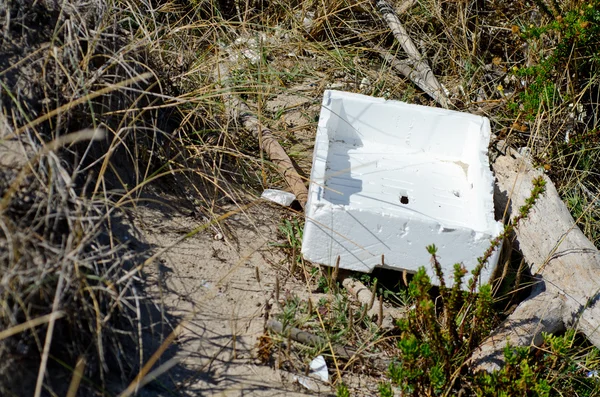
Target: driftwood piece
<point>565,263</point>
<point>415,67</point>
<point>240,112</point>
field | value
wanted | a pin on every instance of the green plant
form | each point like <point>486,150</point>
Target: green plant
<point>558,367</point>
<point>438,336</point>
<point>576,33</point>
<point>290,309</point>
<point>342,391</point>
<point>385,389</point>
<point>292,230</point>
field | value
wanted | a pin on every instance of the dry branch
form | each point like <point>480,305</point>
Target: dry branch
<point>239,111</point>
<point>414,68</point>
<point>309,339</point>
<point>272,148</point>
<point>565,263</point>
<point>375,308</point>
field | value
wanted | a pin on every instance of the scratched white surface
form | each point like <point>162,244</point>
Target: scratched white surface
<point>391,178</point>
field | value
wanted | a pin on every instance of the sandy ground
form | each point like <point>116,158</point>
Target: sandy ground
<point>208,283</point>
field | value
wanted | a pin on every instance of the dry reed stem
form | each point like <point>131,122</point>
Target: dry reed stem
<point>77,376</point>
<point>46,352</point>
<point>36,322</point>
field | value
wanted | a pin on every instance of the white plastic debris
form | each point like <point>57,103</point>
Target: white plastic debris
<point>390,178</point>
<point>365,83</point>
<point>318,367</point>
<point>307,382</point>
<point>278,196</point>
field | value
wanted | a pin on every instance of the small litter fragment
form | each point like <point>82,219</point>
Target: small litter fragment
<point>309,383</point>
<point>318,367</point>
<point>205,284</point>
<point>364,84</point>
<point>592,374</point>
<point>278,196</point>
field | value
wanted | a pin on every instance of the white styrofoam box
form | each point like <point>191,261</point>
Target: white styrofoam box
<point>389,178</point>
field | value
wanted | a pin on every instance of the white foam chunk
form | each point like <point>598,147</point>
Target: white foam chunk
<point>389,178</point>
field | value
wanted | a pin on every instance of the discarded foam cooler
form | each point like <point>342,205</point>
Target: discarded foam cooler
<point>389,178</point>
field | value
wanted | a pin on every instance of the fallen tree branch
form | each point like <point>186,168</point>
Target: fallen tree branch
<point>565,263</point>
<point>415,68</point>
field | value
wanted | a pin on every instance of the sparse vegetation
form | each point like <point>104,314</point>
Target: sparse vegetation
<point>110,105</point>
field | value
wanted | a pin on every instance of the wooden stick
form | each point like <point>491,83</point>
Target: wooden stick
<point>238,110</point>
<point>372,306</point>
<point>307,338</point>
<point>415,68</point>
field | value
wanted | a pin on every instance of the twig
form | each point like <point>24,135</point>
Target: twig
<point>239,110</point>
<point>414,68</point>
<point>307,338</point>
<point>372,306</point>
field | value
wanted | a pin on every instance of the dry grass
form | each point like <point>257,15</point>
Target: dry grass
<point>147,73</point>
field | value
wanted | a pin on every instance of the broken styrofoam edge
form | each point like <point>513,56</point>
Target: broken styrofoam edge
<point>318,367</point>
<point>308,383</point>
<point>390,178</point>
<point>278,196</point>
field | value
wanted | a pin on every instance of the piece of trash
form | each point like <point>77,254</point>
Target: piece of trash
<point>592,374</point>
<point>318,367</point>
<point>524,151</point>
<point>278,196</point>
<point>309,383</point>
<point>364,84</point>
<point>390,178</point>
